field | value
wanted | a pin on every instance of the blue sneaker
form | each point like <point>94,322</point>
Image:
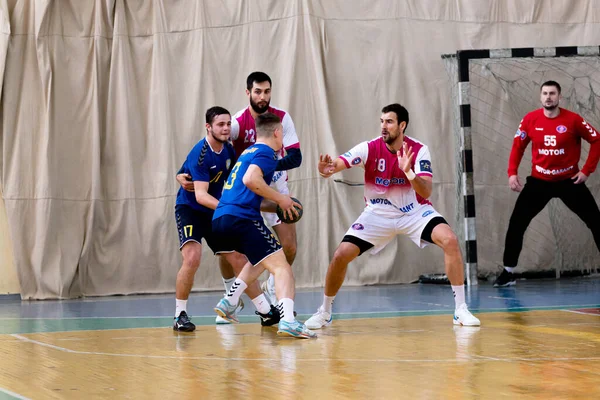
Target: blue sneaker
<point>222,321</point>
<point>295,329</point>
<point>227,311</point>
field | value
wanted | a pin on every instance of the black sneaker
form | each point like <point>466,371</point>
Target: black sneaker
<point>183,323</point>
<point>271,318</point>
<point>505,279</point>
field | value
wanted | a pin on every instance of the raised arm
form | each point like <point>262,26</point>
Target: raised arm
<point>421,183</point>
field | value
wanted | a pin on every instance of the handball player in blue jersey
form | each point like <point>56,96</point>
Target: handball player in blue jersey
<point>208,164</point>
<point>237,219</point>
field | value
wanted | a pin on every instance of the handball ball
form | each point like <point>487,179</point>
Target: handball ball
<point>294,219</point>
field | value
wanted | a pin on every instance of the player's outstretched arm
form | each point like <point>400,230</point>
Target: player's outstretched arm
<point>328,166</point>
<point>255,181</point>
<point>292,159</point>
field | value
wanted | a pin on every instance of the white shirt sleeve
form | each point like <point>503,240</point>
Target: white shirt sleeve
<point>357,156</point>
<point>290,138</point>
<point>423,162</point>
<point>235,129</point>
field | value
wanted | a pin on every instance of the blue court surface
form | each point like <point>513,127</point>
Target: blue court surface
<point>139,311</point>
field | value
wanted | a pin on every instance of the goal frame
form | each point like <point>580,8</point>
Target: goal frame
<point>463,58</point>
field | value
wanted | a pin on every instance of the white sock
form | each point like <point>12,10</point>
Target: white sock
<point>227,283</point>
<point>459,295</point>
<point>236,290</point>
<point>328,303</point>
<point>261,304</point>
<point>286,309</point>
<point>510,269</point>
<point>180,305</point>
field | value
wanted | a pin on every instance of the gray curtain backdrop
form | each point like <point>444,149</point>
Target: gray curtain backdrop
<point>102,100</point>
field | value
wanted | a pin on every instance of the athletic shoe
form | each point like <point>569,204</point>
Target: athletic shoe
<point>183,324</point>
<point>462,316</point>
<point>268,288</point>
<point>227,311</point>
<point>319,319</point>
<point>505,279</point>
<point>270,318</point>
<point>295,329</point>
<point>222,321</point>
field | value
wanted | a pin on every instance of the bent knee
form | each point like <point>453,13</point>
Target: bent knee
<point>449,241</point>
<point>346,252</point>
<point>191,259</point>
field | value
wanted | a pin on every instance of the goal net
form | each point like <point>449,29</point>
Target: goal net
<point>501,86</point>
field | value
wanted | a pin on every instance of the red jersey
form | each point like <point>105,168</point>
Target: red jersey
<point>243,135</point>
<point>556,145</point>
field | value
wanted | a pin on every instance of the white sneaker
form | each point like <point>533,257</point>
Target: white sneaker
<point>319,319</point>
<point>268,288</point>
<point>271,287</point>
<point>222,321</point>
<point>462,316</point>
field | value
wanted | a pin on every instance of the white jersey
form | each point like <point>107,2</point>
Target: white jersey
<point>388,191</point>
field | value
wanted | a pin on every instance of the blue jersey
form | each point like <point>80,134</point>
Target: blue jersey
<point>206,165</point>
<point>237,199</point>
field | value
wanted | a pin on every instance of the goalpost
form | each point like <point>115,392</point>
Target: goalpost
<point>492,90</point>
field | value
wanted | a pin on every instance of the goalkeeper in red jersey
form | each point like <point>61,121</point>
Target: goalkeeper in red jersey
<point>555,134</point>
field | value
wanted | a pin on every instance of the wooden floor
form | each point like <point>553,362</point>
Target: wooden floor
<point>527,355</point>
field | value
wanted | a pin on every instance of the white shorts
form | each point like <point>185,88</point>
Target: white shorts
<point>271,219</point>
<point>379,230</point>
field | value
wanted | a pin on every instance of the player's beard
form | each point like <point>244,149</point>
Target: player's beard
<point>389,139</point>
<point>550,107</point>
<point>257,109</point>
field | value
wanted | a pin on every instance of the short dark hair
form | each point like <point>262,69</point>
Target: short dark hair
<point>399,110</point>
<point>214,112</point>
<point>551,83</point>
<point>257,77</point>
<point>266,124</point>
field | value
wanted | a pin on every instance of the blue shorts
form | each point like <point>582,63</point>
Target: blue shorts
<point>251,238</point>
<point>193,225</point>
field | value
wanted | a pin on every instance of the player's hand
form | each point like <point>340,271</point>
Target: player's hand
<point>579,178</point>
<point>289,207</point>
<point>325,166</point>
<point>185,180</point>
<point>405,157</point>
<point>514,183</point>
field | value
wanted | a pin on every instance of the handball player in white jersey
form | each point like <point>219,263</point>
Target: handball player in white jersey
<point>398,183</point>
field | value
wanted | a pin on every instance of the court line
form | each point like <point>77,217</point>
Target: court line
<point>13,394</point>
<point>582,313</point>
<point>357,360</point>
